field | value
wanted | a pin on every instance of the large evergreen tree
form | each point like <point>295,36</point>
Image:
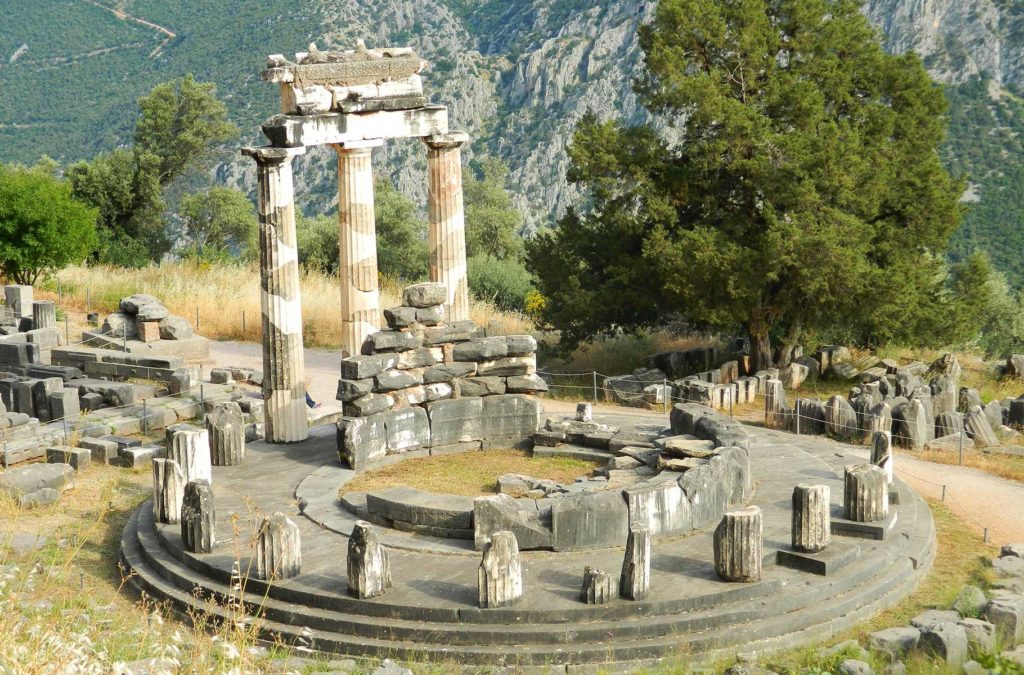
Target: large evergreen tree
<point>789,180</point>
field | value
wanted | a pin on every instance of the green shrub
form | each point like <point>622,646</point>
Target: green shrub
<point>506,283</point>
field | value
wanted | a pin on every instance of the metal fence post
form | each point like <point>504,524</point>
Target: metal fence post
<point>961,446</point>
<point>65,420</point>
<point>666,394</point>
<point>243,323</point>
<point>796,411</point>
<point>145,426</point>
<point>595,386</point>
<point>88,299</point>
<point>197,318</point>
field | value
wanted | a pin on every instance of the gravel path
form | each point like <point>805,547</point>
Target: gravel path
<point>983,500</point>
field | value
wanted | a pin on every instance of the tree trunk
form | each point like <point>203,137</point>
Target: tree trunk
<point>760,349</point>
<point>789,343</point>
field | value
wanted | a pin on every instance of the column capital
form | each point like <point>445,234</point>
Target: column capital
<point>359,147</point>
<point>450,139</point>
<point>270,155</point>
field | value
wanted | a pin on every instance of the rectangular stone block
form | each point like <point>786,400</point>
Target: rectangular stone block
<point>407,429</point>
<point>16,354</point>
<point>8,387</point>
<point>417,507</point>
<point>103,451</point>
<point>139,457</point>
<point>41,391</point>
<point>18,299</point>
<point>24,402</point>
<point>589,520</point>
<point>659,504</point>
<point>149,331</point>
<point>64,404</point>
<point>362,440</point>
<point>291,131</point>
<point>510,415</point>
<point>509,366</point>
<point>481,386</point>
<point>362,367</point>
<point>78,458</point>
<point>455,421</point>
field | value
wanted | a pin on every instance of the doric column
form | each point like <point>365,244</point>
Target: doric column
<point>357,246</point>
<point>447,230</point>
<point>284,388</point>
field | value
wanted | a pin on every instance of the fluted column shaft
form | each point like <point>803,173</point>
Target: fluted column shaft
<point>284,388</point>
<point>357,247</point>
<point>812,521</point>
<point>865,493</point>
<point>739,545</point>
<point>447,224</point>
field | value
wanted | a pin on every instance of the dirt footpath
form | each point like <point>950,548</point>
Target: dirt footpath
<point>983,500</point>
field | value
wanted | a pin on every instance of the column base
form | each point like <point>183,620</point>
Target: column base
<point>285,418</point>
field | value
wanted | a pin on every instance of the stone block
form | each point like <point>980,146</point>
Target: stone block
<point>64,404</point>
<point>149,331</point>
<point>508,366</point>
<point>981,635</point>
<point>103,451</point>
<point>947,641</point>
<point>278,548</point>
<point>18,299</point>
<point>455,421</point>
<point>221,376</point>
<point>635,578</point>
<point>390,341</point>
<point>598,587</point>
<point>363,367</point>
<point>422,357</point>
<point>138,457</point>
<point>1006,613</point>
<point>660,505</point>
<point>390,380</point>
<point>448,372</point>
<point>76,458</point>
<point>424,295</point>
<point>481,386</point>
<point>896,642</point>
<point>481,349</point>
<point>364,406</point>
<point>406,429</point>
<point>369,570</point>
<point>705,490</point>
<point>589,520</point>
<point>510,415</point>
<point>500,577</point>
<point>362,440</point>
<point>398,318</point>
<point>175,328</point>
<point>739,545</point>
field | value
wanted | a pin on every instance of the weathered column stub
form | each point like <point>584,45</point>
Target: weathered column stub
<point>447,224</point>
<point>278,548</point>
<point>284,388</point>
<point>865,493</point>
<point>598,587</point>
<point>881,453</point>
<point>168,491</point>
<point>357,246</point>
<point>226,428</point>
<point>190,448</point>
<point>198,517</point>
<point>739,545</point>
<point>635,579</point>
<point>369,570</point>
<point>812,522</point>
<point>500,577</point>
<point>44,314</point>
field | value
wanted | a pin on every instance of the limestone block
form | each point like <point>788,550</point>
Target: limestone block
<point>76,458</point>
<point>947,641</point>
<point>455,421</point>
<point>994,413</point>
<point>448,372</point>
<point>508,366</point>
<point>371,404</point>
<point>363,367</point>
<point>481,386</point>
<point>738,545</point>
<point>390,341</point>
<point>190,448</point>
<point>64,404</point>
<point>149,331</point>
<point>948,424</point>
<point>278,548</point>
<point>584,412</point>
<point>840,418</point>
<point>794,375</point>
<point>103,451</point>
<point>400,317</point>
<point>423,357</point>
<point>500,512</point>
<point>705,490</point>
<point>510,416</point>
<point>1006,613</point>
<point>660,505</point>
<point>525,384</point>
<point>589,520</point>
<point>500,577</point>
<point>406,429</point>
<point>635,578</point>
<point>120,325</point>
<point>168,491</point>
<point>1016,416</point>
<point>44,314</point>
<point>950,443</point>
<point>438,391</point>
<point>865,493</point>
<point>369,571</point>
<point>225,427</point>
<point>41,390</point>
<point>895,641</point>
<point>424,295</point>
<point>912,425</point>
<point>733,464</point>
<point>881,453</point>
<point>175,328</point>
<point>598,587</point>
<point>391,380</point>
<point>362,440</point>
<point>979,428</point>
<point>981,635</point>
<point>198,517</point>
<point>18,299</point>
<point>430,316</point>
<point>812,522</point>
<point>481,349</point>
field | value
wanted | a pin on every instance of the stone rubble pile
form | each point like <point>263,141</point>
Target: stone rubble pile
<point>425,385</point>
<point>919,406</point>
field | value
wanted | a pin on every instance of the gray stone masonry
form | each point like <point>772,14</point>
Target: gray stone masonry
<point>77,458</point>
<point>369,571</point>
<point>635,578</point>
<point>198,517</point>
<point>500,576</point>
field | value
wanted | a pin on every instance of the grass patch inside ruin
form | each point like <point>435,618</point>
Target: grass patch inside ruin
<point>470,474</point>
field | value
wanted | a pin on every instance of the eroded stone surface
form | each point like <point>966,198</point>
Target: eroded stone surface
<point>500,577</point>
<point>369,571</point>
<point>278,548</point>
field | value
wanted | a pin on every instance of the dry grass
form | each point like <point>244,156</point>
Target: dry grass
<point>470,473</point>
<point>215,298</point>
<point>1004,466</point>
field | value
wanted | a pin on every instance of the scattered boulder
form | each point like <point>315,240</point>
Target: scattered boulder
<point>970,601</point>
<point>36,484</point>
<point>981,635</point>
<point>895,641</point>
<point>947,641</point>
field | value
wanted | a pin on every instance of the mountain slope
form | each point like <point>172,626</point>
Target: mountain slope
<point>516,74</point>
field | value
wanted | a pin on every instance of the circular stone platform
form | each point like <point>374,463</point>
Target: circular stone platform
<point>432,614</point>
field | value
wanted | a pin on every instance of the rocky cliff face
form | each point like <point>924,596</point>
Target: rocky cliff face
<point>519,74</point>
